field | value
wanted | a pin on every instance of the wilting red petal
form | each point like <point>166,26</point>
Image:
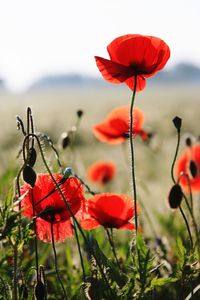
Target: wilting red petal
<point>101,172</point>
<point>61,230</point>
<point>110,210</point>
<point>190,154</point>
<point>112,71</point>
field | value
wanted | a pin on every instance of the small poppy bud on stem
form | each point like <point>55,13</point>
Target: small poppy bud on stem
<point>193,168</point>
<point>188,141</point>
<point>79,113</point>
<point>40,290</point>
<point>32,156</point>
<point>175,196</point>
<point>29,175</point>
<point>177,123</point>
<point>65,140</point>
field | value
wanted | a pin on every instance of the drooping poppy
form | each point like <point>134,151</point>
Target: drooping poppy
<point>188,168</point>
<point>131,55</point>
<point>44,203</point>
<point>115,128</point>
<point>101,172</point>
<point>109,210</point>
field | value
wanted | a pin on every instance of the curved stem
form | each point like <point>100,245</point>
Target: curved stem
<point>132,153</point>
<point>175,156</point>
<point>56,263</point>
<point>174,181</point>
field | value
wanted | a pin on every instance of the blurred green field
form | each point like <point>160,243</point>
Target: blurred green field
<point>55,111</point>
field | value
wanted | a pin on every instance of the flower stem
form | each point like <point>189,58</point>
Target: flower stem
<point>56,263</point>
<point>15,257</point>
<point>113,247</point>
<point>132,153</point>
<point>79,251</point>
<point>174,181</point>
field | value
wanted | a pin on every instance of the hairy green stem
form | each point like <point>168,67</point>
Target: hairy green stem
<point>132,153</point>
<point>79,251</point>
<point>113,247</point>
<point>56,263</point>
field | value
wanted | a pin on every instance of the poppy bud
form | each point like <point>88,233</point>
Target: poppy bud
<point>79,113</point>
<point>29,175</point>
<point>188,141</point>
<point>32,156</point>
<point>65,142</point>
<point>175,196</point>
<point>193,168</point>
<point>177,123</point>
<point>23,292</point>
<point>67,172</point>
<point>40,290</point>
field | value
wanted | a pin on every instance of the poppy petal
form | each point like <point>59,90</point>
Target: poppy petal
<point>141,83</point>
<point>128,225</point>
<point>104,133</point>
<point>112,71</point>
<point>61,230</point>
<point>89,224</point>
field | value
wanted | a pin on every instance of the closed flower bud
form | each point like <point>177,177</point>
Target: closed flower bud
<point>193,168</point>
<point>79,113</point>
<point>175,196</point>
<point>65,140</point>
<point>40,291</point>
<point>32,156</point>
<point>29,175</point>
<point>177,123</point>
<point>188,141</point>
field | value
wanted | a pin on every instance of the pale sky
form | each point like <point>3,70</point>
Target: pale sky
<point>41,37</point>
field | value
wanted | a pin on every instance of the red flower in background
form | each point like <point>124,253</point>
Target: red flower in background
<point>131,55</point>
<point>49,207</point>
<point>109,210</point>
<point>101,172</point>
<point>189,164</point>
<point>115,128</point>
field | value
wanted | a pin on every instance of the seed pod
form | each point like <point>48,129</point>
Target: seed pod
<point>32,156</point>
<point>175,196</point>
<point>40,290</point>
<point>177,123</point>
<point>29,175</point>
<point>193,168</point>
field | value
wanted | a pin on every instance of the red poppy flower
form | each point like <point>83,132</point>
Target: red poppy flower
<point>115,128</point>
<point>189,165</point>
<point>109,210</point>
<point>49,206</point>
<point>101,172</point>
<point>131,55</point>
